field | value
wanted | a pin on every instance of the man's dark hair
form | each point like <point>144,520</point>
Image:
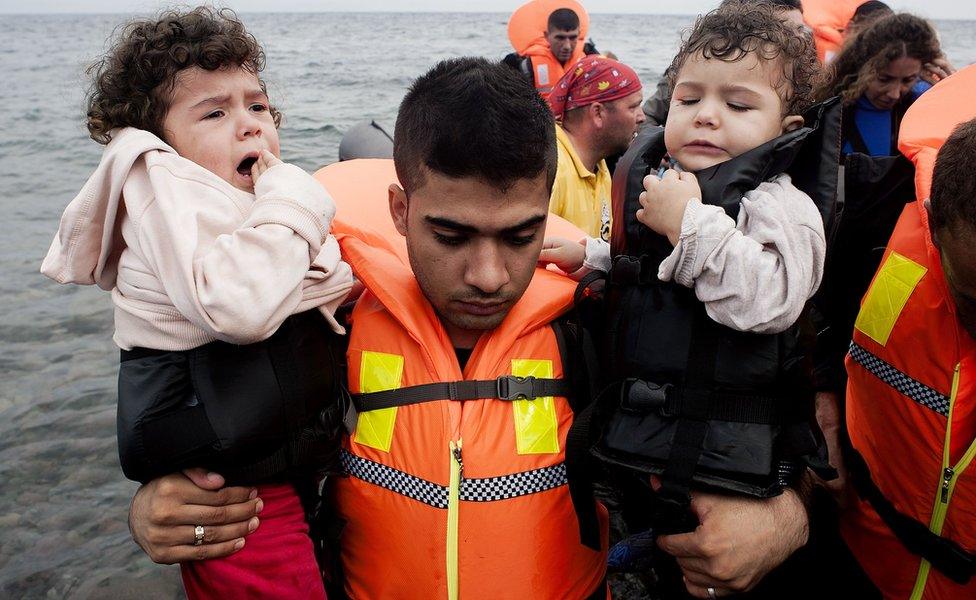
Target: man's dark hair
<point>871,9</point>
<point>563,19</point>
<point>132,84</point>
<point>468,117</point>
<point>953,197</point>
<point>739,27</point>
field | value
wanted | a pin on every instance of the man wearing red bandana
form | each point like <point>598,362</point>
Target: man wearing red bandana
<point>597,104</point>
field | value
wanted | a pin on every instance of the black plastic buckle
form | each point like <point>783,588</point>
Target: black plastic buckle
<point>331,417</point>
<point>643,397</point>
<point>632,270</point>
<point>510,387</point>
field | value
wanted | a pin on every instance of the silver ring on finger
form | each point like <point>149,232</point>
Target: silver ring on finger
<point>711,593</point>
<point>198,535</point>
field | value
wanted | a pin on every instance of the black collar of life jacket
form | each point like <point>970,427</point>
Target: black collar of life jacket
<point>810,155</point>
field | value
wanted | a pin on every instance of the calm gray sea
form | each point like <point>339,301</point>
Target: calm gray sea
<point>63,499</point>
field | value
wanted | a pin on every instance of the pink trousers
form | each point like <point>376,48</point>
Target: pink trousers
<point>277,561</point>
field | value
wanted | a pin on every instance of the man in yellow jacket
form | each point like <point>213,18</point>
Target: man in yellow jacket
<point>598,106</point>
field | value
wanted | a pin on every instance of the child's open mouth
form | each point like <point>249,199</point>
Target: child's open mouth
<point>244,168</point>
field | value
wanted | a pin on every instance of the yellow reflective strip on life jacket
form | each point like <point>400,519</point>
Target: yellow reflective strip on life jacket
<point>378,372</point>
<point>453,500</point>
<point>536,426</point>
<point>947,484</point>
<point>894,283</point>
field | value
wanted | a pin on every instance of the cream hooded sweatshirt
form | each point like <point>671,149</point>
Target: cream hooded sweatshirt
<point>188,257</point>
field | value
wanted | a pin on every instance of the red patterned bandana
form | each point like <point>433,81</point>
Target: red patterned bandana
<point>593,79</point>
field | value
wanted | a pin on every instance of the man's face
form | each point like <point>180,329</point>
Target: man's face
<point>562,43</point>
<point>956,244</point>
<point>472,247</point>
<point>624,118</point>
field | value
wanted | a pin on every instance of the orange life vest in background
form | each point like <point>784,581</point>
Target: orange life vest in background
<point>527,32</point>
<point>828,19</point>
<point>911,394</point>
<point>446,498</point>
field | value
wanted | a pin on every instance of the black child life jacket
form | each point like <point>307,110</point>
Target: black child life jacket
<point>269,411</point>
<point>688,399</point>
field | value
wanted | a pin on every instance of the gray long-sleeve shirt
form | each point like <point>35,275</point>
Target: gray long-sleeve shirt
<point>755,273</point>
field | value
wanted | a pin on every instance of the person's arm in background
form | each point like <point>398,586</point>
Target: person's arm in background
<point>165,512</point>
<point>937,70</point>
<point>522,64</point>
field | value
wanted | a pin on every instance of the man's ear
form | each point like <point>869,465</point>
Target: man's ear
<point>598,113</point>
<point>398,208</point>
<point>927,204</point>
<point>792,123</point>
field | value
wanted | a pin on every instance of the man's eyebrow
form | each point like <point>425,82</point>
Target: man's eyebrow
<point>465,228</point>
<point>530,222</point>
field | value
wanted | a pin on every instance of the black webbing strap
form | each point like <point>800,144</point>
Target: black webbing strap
<point>944,554</point>
<point>507,387</point>
<point>673,510</point>
<point>579,361</point>
<point>722,406</point>
<point>281,352</point>
<point>587,284</point>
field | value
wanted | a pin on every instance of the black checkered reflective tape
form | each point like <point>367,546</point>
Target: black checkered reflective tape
<point>914,389</point>
<point>394,480</point>
<point>487,489</point>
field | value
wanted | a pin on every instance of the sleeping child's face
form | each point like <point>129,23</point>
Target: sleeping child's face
<point>221,121</point>
<point>721,109</point>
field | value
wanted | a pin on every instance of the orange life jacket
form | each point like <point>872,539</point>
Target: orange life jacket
<point>451,499</point>
<point>828,19</point>
<point>911,395</point>
<point>527,32</point>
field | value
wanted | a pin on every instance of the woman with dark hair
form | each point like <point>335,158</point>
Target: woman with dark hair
<point>878,74</point>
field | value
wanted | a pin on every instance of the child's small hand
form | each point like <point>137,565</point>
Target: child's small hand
<point>565,254</point>
<point>265,161</point>
<point>664,201</point>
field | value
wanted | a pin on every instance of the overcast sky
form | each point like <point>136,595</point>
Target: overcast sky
<point>935,9</point>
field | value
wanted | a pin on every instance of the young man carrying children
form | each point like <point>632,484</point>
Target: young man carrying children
<point>475,270</point>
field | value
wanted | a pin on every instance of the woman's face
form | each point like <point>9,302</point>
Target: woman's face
<point>893,82</point>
